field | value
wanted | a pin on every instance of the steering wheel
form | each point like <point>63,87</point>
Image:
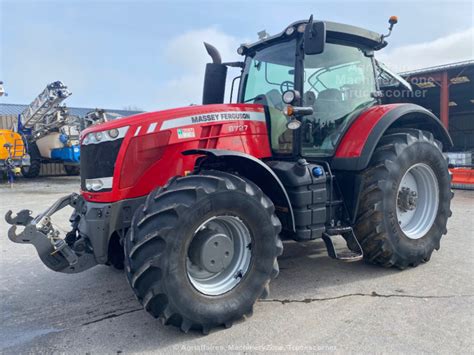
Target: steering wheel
<point>286,85</point>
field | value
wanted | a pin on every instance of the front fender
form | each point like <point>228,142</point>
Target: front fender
<point>256,171</point>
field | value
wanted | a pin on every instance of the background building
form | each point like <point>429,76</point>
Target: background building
<point>448,91</point>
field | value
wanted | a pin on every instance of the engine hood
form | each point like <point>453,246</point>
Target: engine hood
<point>159,118</point>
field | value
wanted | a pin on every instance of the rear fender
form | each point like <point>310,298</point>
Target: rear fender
<point>254,170</point>
<point>360,140</point>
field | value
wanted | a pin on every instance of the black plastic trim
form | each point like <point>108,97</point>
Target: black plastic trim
<point>98,221</point>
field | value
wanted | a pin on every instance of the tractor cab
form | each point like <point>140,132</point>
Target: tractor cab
<point>334,83</point>
<point>316,76</point>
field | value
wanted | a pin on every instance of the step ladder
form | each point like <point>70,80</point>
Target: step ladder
<point>348,234</point>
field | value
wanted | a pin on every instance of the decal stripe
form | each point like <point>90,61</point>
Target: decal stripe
<point>210,117</point>
<point>138,130</point>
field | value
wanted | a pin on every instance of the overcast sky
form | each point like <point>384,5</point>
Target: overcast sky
<point>149,54</point>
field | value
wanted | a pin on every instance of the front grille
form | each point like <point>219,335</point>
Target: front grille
<point>98,160</point>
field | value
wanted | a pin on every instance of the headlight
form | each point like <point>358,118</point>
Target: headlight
<point>113,133</point>
<point>293,124</point>
<point>99,184</point>
<point>288,97</point>
<point>301,28</point>
<point>290,30</point>
<point>105,136</point>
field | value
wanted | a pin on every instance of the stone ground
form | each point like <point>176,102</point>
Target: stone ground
<point>316,304</point>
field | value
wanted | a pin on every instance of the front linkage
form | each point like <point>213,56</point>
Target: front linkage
<point>69,255</point>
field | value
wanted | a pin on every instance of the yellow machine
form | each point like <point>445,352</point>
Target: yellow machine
<point>12,153</point>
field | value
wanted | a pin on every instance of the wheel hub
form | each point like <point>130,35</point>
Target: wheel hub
<point>417,200</point>
<point>407,199</point>
<point>211,250</point>
<point>219,255</point>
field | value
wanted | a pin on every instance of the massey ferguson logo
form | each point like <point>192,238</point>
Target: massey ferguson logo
<point>213,117</point>
<point>224,116</point>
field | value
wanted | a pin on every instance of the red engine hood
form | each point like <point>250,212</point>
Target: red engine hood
<point>160,116</point>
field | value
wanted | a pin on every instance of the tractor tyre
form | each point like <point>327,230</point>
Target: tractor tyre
<point>72,170</point>
<point>202,250</point>
<point>405,201</point>
<point>33,170</point>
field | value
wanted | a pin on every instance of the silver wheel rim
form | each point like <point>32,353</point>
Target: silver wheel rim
<point>417,201</point>
<point>219,255</point>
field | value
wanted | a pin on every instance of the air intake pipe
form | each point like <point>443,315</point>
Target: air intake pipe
<point>214,78</point>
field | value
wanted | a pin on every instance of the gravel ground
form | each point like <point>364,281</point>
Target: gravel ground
<point>316,304</point>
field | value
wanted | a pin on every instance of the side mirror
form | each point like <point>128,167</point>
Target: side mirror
<point>314,37</point>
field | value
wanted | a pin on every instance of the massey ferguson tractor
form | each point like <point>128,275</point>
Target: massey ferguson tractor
<point>193,202</point>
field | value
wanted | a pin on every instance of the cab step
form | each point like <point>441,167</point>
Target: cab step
<point>348,234</point>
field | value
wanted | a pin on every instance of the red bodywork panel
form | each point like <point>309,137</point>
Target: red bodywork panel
<point>356,136</point>
<point>157,139</point>
<point>462,176</point>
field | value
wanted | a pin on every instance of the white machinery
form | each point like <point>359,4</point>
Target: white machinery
<point>52,134</point>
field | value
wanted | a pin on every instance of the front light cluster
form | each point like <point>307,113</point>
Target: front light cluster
<point>104,136</point>
<point>99,184</point>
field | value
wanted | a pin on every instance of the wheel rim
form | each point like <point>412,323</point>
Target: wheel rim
<point>219,255</point>
<point>417,201</point>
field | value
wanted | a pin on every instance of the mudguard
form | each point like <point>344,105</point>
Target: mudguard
<point>359,141</point>
<point>255,170</point>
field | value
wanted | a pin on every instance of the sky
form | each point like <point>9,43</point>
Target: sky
<point>149,55</point>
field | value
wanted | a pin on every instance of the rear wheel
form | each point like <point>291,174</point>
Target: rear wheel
<point>202,250</point>
<point>405,204</point>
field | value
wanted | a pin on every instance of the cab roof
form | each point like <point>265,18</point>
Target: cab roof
<point>334,32</point>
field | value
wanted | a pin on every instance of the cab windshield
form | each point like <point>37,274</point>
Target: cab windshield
<point>337,83</point>
<point>267,74</point>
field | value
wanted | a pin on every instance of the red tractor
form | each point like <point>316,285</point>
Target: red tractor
<point>193,201</point>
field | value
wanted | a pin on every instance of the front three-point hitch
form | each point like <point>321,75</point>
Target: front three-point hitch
<point>69,255</point>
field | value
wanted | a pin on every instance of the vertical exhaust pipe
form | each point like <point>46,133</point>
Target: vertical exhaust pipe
<point>214,78</point>
<point>214,53</point>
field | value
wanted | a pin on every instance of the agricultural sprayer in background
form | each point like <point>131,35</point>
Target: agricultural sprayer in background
<point>51,133</point>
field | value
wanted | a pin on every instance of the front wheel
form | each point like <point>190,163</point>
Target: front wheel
<point>405,203</point>
<point>33,170</point>
<point>202,250</point>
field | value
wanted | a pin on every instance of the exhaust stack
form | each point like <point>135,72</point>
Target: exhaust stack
<point>214,78</point>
